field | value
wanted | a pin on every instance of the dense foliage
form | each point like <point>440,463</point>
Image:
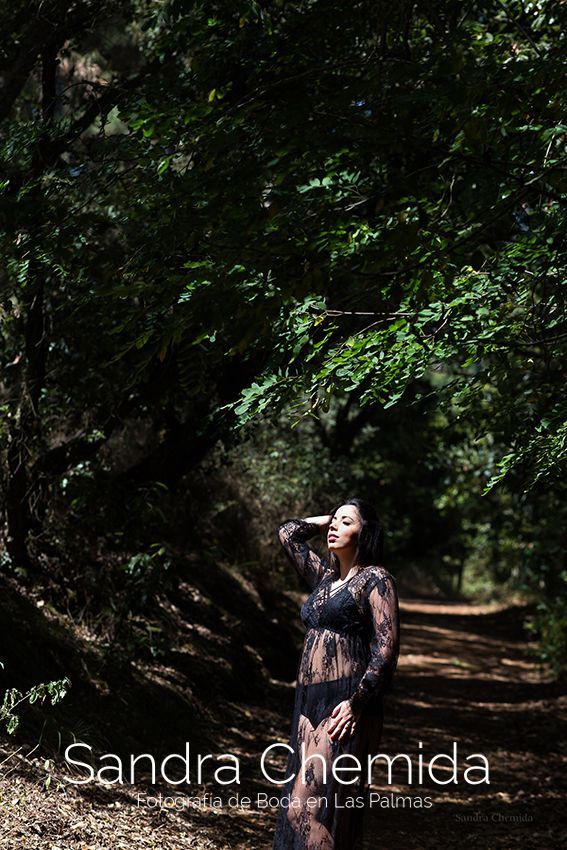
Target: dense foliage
<point>221,219</point>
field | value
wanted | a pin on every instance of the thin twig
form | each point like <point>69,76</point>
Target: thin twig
<point>11,755</point>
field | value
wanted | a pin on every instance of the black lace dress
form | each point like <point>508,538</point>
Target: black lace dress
<point>350,652</point>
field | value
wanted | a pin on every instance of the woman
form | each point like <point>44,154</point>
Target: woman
<point>349,658</point>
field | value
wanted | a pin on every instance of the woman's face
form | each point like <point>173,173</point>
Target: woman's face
<point>344,528</point>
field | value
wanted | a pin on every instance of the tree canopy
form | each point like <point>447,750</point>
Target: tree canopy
<point>217,213</point>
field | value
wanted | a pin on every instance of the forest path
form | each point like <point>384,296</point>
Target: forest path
<point>464,676</point>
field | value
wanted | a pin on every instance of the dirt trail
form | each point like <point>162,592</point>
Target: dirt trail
<point>464,675</point>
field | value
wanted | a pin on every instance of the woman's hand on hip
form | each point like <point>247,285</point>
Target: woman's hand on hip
<point>343,722</point>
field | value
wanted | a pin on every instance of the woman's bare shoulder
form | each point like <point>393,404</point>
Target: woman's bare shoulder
<point>378,570</point>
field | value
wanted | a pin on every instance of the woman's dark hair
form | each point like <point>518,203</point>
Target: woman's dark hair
<point>371,537</point>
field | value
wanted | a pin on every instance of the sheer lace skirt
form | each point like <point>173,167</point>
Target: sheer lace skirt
<point>319,811</point>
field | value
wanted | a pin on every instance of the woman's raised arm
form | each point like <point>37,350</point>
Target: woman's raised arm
<point>294,534</point>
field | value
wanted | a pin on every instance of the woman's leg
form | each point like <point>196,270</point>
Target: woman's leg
<point>310,805</point>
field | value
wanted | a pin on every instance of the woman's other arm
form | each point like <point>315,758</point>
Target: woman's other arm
<point>384,645</point>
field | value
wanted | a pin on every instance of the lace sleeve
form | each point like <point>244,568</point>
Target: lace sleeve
<point>384,644</point>
<point>293,535</point>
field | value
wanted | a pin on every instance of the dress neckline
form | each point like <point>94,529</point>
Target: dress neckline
<point>337,590</point>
